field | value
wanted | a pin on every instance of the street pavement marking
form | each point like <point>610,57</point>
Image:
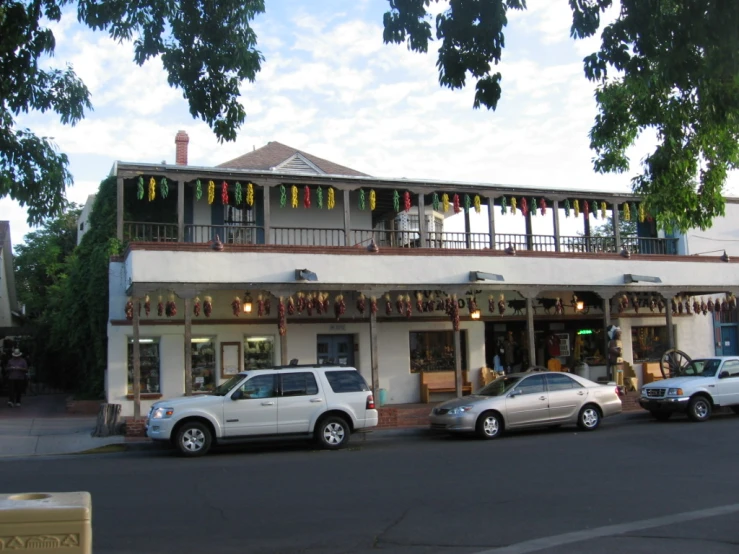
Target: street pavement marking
<point>609,530</point>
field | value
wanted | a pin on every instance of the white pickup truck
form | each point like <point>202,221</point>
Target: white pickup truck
<point>702,386</point>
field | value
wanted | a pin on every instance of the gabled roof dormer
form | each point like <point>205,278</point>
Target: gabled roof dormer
<point>297,163</point>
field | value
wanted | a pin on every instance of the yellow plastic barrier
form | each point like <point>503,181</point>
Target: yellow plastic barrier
<point>46,523</point>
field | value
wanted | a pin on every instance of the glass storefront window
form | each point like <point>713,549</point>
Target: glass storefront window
<point>648,343</point>
<point>434,350</point>
<point>590,346</point>
<point>203,357</point>
<point>259,352</point>
<point>150,373</point>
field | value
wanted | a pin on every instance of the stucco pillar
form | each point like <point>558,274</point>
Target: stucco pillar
<point>668,318</point>
<point>422,231</point>
<point>283,346</point>
<point>586,229</point>
<point>374,358</point>
<point>188,346</point>
<point>491,221</point>
<point>119,208</point>
<point>555,221</point>
<point>181,211</point>
<point>136,361</point>
<point>531,335</point>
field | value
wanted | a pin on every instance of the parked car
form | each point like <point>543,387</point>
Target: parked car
<point>702,386</point>
<point>324,402</point>
<point>529,399</point>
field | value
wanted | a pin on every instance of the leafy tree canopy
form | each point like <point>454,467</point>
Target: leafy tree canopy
<point>207,48</point>
<point>667,65</point>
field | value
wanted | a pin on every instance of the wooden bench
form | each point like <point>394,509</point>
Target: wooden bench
<point>441,381</point>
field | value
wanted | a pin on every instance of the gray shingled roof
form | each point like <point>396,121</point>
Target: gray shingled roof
<point>274,153</point>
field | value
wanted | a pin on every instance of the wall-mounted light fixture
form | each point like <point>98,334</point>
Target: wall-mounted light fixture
<point>305,275</point>
<point>247,303</point>
<point>580,305</point>
<point>477,314</point>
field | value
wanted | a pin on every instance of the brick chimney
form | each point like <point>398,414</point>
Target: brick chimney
<point>181,140</point>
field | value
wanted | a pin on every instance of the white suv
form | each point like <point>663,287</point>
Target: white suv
<point>325,402</point>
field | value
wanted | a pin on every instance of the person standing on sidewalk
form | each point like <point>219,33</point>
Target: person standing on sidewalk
<point>17,374</point>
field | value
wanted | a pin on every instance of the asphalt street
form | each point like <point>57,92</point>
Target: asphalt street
<point>634,486</point>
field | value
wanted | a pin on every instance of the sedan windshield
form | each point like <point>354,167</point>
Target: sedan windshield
<point>702,368</point>
<point>499,387</point>
<point>226,387</point>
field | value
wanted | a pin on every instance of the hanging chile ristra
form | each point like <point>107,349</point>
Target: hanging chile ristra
<point>362,200</point>
<point>567,208</point>
<point>319,197</point>
<point>503,205</point>
<point>163,187</point>
<point>576,208</point>
<point>407,201</point>
<point>543,206</point>
<point>294,196</point>
<point>585,209</point>
<point>513,205</point>
<point>642,213</point>
<point>634,211</point>
<point>238,193</point>
<point>224,193</point>
<point>435,202</point>
<point>373,200</point>
<point>152,189</point>
<point>198,190</point>
<point>331,200</point>
<point>283,196</point>
<point>211,192</point>
<point>396,200</point>
<point>455,203</point>
<point>250,195</point>
<point>603,210</point>
<point>467,203</point>
<point>627,212</point>
<point>595,209</point>
<point>306,196</point>
<point>533,206</point>
<point>524,206</point>
<point>478,203</point>
<point>140,188</point>
<point>445,202</point>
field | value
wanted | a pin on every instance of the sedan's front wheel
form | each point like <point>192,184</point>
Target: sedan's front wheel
<point>489,426</point>
<point>589,418</point>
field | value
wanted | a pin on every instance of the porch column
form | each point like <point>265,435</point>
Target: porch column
<point>668,318</point>
<point>265,204</point>
<point>347,217</point>
<point>373,358</point>
<point>491,221</point>
<point>283,346</point>
<point>530,330</point>
<point>616,227</point>
<point>467,229</point>
<point>136,361</point>
<point>555,221</point>
<point>422,231</point>
<point>119,209</point>
<point>529,230</point>
<point>458,362</point>
<point>586,228</point>
<point>606,325</point>
<point>188,346</point>
<point>181,211</point>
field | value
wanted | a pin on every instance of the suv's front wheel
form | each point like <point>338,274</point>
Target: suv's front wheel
<point>332,432</point>
<point>193,439</point>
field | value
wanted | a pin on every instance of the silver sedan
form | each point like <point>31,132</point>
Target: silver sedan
<point>529,399</point>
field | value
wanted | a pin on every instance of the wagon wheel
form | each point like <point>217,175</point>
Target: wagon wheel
<point>674,362</point>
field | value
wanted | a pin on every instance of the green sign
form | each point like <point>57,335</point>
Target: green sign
<point>585,332</point>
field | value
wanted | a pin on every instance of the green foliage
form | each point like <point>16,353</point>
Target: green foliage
<point>675,66</point>
<point>207,48</point>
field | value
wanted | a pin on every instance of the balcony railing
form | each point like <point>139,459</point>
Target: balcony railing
<point>290,236</point>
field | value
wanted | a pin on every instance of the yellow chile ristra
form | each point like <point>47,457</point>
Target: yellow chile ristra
<point>477,203</point>
<point>513,206</point>
<point>331,201</point>
<point>603,209</point>
<point>211,192</point>
<point>250,194</point>
<point>627,212</point>
<point>445,202</point>
<point>294,196</point>
<point>576,208</point>
<point>372,200</point>
<point>642,213</point>
<point>152,189</point>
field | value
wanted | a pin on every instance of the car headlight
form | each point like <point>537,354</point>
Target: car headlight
<point>674,392</point>
<point>162,413</point>
<point>644,393</point>
<point>459,410</point>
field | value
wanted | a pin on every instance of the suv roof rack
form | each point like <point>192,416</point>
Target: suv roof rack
<point>293,366</point>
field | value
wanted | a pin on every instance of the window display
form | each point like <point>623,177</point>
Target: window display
<point>434,351</point>
<point>203,356</point>
<point>259,352</point>
<point>649,343</point>
<point>150,374</point>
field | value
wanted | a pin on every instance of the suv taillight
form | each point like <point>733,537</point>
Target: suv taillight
<point>370,402</point>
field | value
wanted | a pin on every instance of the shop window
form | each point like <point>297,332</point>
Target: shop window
<point>150,372</point>
<point>649,343</point>
<point>434,350</point>
<point>590,346</point>
<point>259,352</point>
<point>203,357</point>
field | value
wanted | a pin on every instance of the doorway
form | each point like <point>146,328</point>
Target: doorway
<point>335,349</point>
<point>728,346</point>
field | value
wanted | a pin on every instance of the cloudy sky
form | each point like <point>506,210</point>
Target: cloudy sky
<point>329,86</point>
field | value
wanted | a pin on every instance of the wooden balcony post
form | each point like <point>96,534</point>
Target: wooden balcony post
<point>467,229</point>
<point>586,220</point>
<point>555,220</point>
<point>265,203</point>
<point>529,230</point>
<point>491,221</point>
<point>136,361</point>
<point>422,231</point>
<point>181,211</point>
<point>347,217</point>
<point>119,209</point>
<point>616,227</point>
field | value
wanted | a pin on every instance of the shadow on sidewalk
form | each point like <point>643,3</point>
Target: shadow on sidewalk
<point>39,406</point>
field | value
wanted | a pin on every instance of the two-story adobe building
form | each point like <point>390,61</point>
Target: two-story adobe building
<point>281,255</point>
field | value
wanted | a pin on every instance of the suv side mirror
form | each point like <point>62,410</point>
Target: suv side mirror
<point>723,375</point>
<point>238,395</point>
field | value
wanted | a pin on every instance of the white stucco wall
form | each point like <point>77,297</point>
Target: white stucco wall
<point>722,235</point>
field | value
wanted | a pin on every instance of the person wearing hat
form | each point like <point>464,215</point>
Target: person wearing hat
<point>17,373</point>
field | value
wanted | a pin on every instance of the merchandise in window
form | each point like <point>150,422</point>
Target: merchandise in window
<point>149,366</point>
<point>203,357</point>
<point>259,352</point>
<point>649,343</point>
<point>434,350</point>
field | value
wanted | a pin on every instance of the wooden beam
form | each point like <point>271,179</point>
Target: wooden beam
<point>136,361</point>
<point>491,221</point>
<point>668,318</point>
<point>181,211</point>
<point>616,226</point>
<point>119,209</point>
<point>529,230</point>
<point>188,346</point>
<point>458,362</point>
